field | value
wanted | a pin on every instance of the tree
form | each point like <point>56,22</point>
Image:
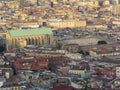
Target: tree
<point>81,51</point>
<point>86,53</point>
<point>2,48</point>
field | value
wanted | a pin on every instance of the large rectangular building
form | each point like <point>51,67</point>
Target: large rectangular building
<point>67,23</point>
<point>39,36</point>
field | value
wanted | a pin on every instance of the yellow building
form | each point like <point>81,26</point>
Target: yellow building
<point>32,54</point>
<point>22,43</point>
<point>116,9</point>
<point>80,23</point>
<point>67,23</point>
<point>39,36</point>
<point>88,3</point>
<point>93,3</point>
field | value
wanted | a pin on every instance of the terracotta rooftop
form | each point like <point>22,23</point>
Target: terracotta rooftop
<point>31,64</point>
<point>62,87</point>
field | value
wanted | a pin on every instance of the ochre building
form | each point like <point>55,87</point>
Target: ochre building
<point>22,38</point>
<point>67,23</point>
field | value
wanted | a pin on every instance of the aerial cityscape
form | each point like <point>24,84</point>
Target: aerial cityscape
<point>59,44</point>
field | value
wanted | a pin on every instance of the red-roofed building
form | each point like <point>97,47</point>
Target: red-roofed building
<point>116,22</point>
<point>106,72</point>
<point>10,52</point>
<point>60,60</point>
<point>62,87</point>
<point>31,64</point>
<point>95,52</point>
<point>10,58</point>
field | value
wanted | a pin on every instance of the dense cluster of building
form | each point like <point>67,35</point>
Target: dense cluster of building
<point>91,14</point>
<point>60,45</point>
<point>34,67</point>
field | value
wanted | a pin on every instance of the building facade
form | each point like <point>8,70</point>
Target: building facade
<point>117,71</point>
<point>19,38</point>
<point>67,23</point>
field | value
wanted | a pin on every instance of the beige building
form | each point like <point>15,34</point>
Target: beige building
<point>21,38</point>
<point>81,41</point>
<point>96,26</point>
<point>67,23</point>
<point>22,43</point>
<point>99,52</point>
<point>88,3</point>
<point>71,47</point>
<point>116,9</point>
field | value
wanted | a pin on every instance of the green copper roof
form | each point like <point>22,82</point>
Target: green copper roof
<point>30,32</point>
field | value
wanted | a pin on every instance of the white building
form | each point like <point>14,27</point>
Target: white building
<point>2,81</point>
<point>75,56</point>
<point>117,71</point>
<point>11,53</point>
<point>77,72</point>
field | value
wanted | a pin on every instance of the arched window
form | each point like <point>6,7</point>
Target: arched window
<point>29,41</point>
<point>36,41</point>
<point>32,41</point>
<point>39,41</point>
<point>26,41</point>
<point>48,39</point>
